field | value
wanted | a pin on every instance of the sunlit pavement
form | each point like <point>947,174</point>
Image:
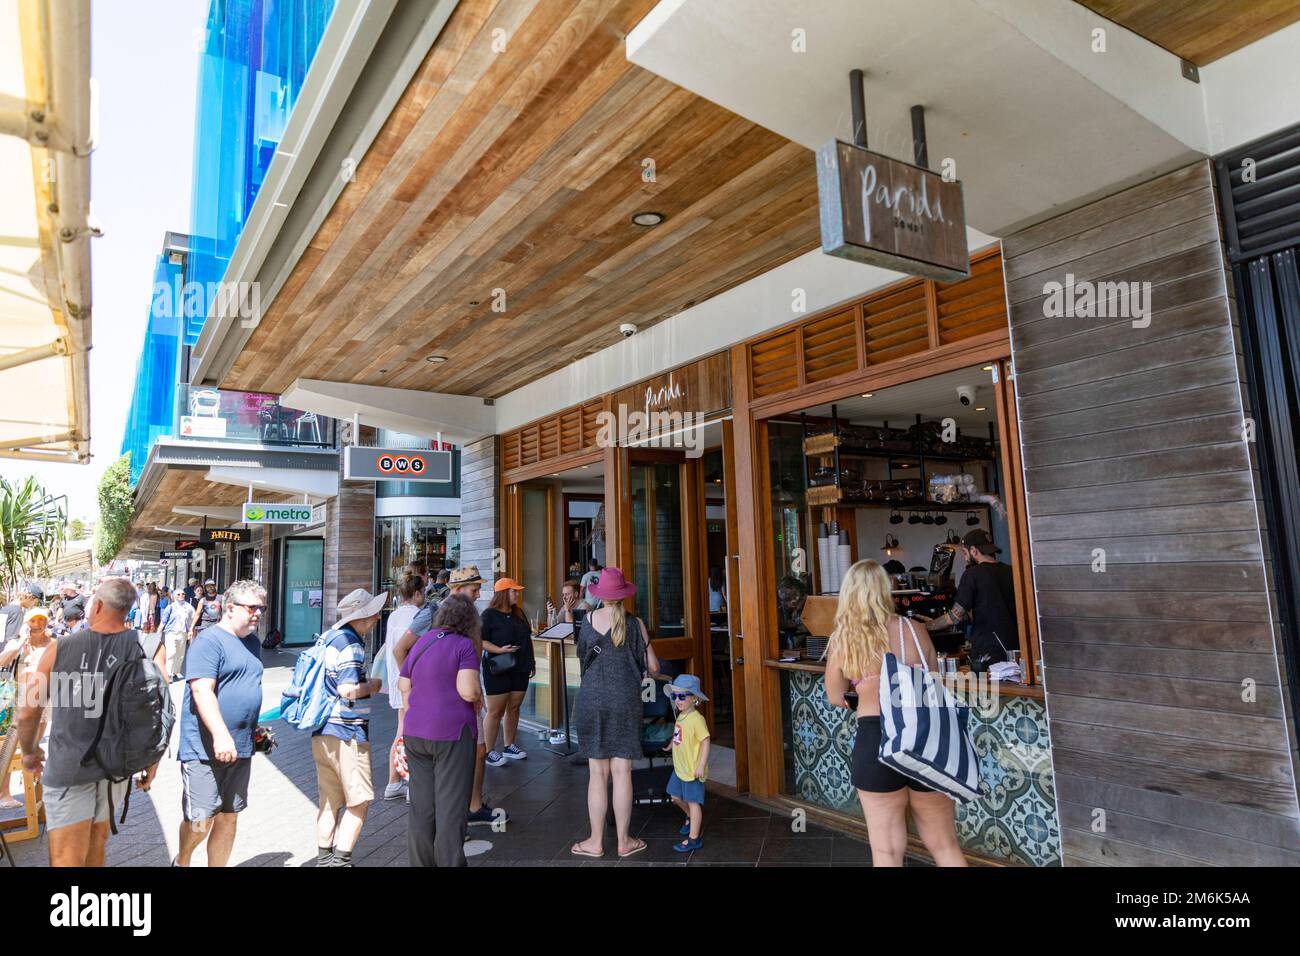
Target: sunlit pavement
<point>545,796</point>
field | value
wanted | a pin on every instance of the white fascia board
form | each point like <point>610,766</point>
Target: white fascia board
<point>1253,91</point>
<point>349,37</point>
<point>459,418</point>
<point>408,506</point>
<point>749,309</point>
<point>288,481</point>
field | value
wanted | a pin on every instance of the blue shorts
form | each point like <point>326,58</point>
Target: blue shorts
<point>691,791</point>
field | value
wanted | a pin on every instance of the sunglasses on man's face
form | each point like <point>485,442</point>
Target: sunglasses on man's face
<point>250,608</point>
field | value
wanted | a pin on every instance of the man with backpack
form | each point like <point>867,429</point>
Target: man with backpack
<point>110,717</point>
<point>223,696</point>
<point>341,747</point>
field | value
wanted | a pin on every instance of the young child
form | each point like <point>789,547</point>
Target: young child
<point>690,758</point>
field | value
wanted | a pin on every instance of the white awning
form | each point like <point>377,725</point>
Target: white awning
<point>45,140</point>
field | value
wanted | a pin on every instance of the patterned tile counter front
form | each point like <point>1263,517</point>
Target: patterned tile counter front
<point>1015,818</point>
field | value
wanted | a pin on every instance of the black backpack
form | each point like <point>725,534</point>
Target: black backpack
<point>273,640</point>
<point>136,723</point>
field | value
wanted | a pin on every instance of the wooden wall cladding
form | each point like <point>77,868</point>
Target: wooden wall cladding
<point>1132,443</point>
<point>1199,30</point>
<point>901,320</point>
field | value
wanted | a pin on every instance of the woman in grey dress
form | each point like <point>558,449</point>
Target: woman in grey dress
<point>617,656</point>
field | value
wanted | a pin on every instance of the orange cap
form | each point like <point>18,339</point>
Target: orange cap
<point>507,584</point>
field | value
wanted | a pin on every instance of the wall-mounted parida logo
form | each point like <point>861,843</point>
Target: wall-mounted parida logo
<point>656,424</point>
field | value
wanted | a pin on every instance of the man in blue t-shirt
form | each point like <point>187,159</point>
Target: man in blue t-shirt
<point>341,748</point>
<point>223,696</point>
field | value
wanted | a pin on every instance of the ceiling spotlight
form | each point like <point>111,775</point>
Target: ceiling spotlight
<point>435,359</point>
<point>647,218</point>
<point>867,394</point>
<point>980,408</point>
<point>988,368</point>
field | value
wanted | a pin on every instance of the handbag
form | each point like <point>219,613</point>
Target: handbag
<point>923,729</point>
<point>498,664</point>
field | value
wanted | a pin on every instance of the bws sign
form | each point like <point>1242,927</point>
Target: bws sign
<point>397,464</point>
<point>257,513</point>
<point>885,213</point>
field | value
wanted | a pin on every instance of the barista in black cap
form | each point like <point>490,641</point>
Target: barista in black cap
<point>986,597</point>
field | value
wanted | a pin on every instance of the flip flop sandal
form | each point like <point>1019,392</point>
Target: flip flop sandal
<point>577,850</point>
<point>633,851</point>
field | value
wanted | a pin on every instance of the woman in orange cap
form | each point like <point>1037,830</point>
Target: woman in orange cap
<point>508,666</point>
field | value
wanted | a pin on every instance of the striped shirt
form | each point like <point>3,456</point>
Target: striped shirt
<point>345,663</point>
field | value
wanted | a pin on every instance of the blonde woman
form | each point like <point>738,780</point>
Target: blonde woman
<point>866,628</point>
<point>616,656</point>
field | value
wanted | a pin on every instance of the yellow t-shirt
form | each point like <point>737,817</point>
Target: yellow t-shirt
<point>688,733</point>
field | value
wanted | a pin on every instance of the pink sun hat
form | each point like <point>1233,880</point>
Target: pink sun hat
<point>612,586</point>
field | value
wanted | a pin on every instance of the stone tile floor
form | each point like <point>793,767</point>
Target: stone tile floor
<point>545,796</point>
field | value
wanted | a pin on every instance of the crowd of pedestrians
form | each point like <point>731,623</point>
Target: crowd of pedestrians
<point>457,678</point>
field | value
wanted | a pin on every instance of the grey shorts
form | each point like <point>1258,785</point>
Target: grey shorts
<point>209,788</point>
<point>65,806</point>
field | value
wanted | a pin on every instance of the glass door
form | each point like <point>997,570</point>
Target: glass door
<point>304,578</point>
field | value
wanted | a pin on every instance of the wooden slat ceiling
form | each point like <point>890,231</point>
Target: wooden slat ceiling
<point>1199,30</point>
<point>186,487</point>
<point>520,171</point>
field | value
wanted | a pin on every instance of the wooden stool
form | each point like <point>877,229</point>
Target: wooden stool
<point>27,826</point>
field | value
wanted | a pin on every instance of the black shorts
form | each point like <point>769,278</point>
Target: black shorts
<point>867,772</point>
<point>209,787</point>
<point>510,682</point>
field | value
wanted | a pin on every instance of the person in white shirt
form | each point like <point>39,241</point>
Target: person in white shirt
<point>177,620</point>
<point>411,597</point>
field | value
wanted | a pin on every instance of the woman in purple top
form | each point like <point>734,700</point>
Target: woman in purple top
<point>441,687</point>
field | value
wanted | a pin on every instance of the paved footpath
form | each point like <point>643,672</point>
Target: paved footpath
<point>545,796</point>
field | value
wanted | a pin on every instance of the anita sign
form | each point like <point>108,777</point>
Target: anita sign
<point>882,212</point>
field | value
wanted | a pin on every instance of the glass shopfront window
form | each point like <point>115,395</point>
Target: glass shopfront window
<point>432,541</point>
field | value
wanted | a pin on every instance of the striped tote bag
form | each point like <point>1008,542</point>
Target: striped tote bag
<point>923,730</point>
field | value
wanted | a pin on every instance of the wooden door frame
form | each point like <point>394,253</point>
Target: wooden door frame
<point>734,589</point>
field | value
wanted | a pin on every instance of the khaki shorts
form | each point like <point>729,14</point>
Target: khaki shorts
<point>342,771</point>
<point>65,806</point>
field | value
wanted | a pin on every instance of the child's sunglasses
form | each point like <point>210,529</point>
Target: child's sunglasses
<point>680,696</point>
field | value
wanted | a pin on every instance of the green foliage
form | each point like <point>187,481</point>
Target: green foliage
<point>115,509</point>
<point>76,529</point>
<point>32,526</point>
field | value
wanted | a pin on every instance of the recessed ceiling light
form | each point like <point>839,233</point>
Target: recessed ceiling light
<point>435,359</point>
<point>988,368</point>
<point>867,394</point>
<point>979,408</point>
<point>586,466</point>
<point>647,218</point>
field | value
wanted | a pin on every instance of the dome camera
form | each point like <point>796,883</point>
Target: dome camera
<point>966,395</point>
<point>627,330</point>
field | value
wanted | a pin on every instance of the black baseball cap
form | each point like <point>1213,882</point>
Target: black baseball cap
<point>35,590</point>
<point>980,540</point>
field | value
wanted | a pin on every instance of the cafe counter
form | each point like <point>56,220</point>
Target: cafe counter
<point>1014,820</point>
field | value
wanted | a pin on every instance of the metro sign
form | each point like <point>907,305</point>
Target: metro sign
<point>259,513</point>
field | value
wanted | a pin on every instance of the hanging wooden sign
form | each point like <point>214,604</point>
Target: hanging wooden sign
<point>886,213</point>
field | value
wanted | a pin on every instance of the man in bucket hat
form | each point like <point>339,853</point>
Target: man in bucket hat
<point>341,748</point>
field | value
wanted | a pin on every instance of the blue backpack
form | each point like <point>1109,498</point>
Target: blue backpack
<point>306,703</point>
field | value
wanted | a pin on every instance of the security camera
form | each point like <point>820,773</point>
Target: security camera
<point>627,330</point>
<point>966,395</point>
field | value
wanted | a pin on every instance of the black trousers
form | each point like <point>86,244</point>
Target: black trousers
<point>441,778</point>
